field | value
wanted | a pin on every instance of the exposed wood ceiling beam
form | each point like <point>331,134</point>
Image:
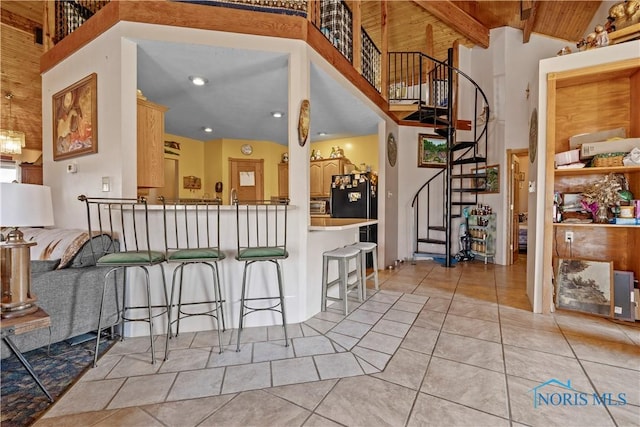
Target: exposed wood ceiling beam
<point>530,22</point>
<point>19,22</point>
<point>457,19</point>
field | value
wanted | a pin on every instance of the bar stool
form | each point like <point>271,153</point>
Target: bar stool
<point>192,237</point>
<point>128,221</point>
<point>368,248</point>
<point>343,256</point>
<point>261,229</point>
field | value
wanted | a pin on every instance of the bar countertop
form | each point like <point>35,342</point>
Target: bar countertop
<point>338,224</point>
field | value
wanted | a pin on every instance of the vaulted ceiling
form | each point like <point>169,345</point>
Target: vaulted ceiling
<point>468,22</point>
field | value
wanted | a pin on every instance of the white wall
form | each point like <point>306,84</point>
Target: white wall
<point>115,137</point>
<point>504,71</point>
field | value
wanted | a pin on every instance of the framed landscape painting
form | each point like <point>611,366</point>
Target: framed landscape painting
<point>432,151</point>
<point>585,285</point>
<point>75,119</point>
<point>489,179</point>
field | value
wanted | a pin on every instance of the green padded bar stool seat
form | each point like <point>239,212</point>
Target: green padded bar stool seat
<point>191,232</point>
<point>126,220</point>
<point>261,227</point>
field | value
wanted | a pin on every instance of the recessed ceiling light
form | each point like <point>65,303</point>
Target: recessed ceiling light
<point>322,133</point>
<point>198,81</point>
<point>277,114</point>
<point>207,129</point>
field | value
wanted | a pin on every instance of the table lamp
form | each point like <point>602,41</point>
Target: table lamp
<point>22,205</point>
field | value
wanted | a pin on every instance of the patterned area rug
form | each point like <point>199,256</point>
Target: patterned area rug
<point>22,400</point>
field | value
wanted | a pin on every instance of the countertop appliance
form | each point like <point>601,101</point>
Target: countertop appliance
<point>355,196</point>
<point>318,207</point>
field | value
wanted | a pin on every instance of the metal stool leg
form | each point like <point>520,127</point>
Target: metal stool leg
<point>284,322</point>
<point>242,296</point>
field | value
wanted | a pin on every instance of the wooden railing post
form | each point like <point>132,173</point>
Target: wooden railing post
<point>357,35</point>
<point>384,49</point>
<point>49,25</point>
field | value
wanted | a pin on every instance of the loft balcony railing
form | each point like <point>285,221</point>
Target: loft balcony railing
<point>71,14</point>
<point>332,17</point>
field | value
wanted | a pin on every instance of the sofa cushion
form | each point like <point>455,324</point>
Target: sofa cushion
<point>42,266</point>
<point>63,244</point>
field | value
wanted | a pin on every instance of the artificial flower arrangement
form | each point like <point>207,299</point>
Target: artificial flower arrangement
<point>598,196</point>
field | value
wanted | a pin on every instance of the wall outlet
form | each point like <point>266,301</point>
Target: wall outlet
<point>568,236</point>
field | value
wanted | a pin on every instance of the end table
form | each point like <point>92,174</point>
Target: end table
<point>20,325</point>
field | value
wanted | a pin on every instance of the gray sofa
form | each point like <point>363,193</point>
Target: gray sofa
<point>70,294</point>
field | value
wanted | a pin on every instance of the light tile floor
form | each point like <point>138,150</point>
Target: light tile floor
<point>435,346</point>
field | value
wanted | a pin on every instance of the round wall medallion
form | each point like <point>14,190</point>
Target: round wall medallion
<point>533,135</point>
<point>392,149</point>
<point>246,149</point>
<point>303,123</point>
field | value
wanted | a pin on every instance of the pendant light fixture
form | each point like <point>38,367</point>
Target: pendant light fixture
<point>11,141</point>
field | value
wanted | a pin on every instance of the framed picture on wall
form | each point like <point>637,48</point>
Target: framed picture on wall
<point>75,119</point>
<point>585,285</point>
<point>432,151</point>
<point>488,178</point>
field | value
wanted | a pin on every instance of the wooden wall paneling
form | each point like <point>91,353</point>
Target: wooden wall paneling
<point>598,243</point>
<point>634,82</point>
<point>591,107</point>
<point>20,64</point>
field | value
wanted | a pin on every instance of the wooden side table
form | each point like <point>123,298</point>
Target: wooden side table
<point>21,325</point>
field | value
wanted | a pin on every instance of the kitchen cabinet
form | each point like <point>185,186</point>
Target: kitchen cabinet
<point>321,173</point>
<point>584,100</point>
<point>150,144</point>
<point>283,180</point>
<point>482,229</point>
<point>30,173</point>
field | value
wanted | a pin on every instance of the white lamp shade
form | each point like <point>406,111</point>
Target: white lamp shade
<point>25,205</point>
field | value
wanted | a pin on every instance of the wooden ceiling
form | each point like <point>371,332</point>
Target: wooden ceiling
<point>20,65</point>
<point>468,22</point>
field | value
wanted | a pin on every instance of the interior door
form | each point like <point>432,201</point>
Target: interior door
<point>513,205</point>
<point>170,190</point>
<point>247,178</point>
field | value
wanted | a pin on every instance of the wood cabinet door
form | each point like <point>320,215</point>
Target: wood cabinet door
<point>283,180</point>
<point>331,167</point>
<point>316,173</point>
<point>150,144</point>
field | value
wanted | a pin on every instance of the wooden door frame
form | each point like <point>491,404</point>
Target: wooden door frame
<point>510,191</point>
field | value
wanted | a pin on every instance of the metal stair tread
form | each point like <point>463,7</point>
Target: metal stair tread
<point>469,160</point>
<point>468,189</point>
<point>432,241</point>
<point>462,145</point>
<point>469,175</point>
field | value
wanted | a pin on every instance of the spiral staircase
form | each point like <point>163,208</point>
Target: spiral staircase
<point>424,92</point>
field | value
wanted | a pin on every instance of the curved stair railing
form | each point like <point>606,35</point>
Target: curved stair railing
<point>423,87</point>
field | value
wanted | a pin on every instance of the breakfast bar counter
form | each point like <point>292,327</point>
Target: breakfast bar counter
<point>338,224</point>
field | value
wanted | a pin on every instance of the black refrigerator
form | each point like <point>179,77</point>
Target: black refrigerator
<point>355,196</point>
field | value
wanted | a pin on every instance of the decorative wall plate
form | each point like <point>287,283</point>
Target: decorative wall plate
<point>392,149</point>
<point>533,135</point>
<point>246,149</point>
<point>303,123</point>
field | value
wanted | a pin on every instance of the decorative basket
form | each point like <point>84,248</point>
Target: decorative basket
<point>608,160</point>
